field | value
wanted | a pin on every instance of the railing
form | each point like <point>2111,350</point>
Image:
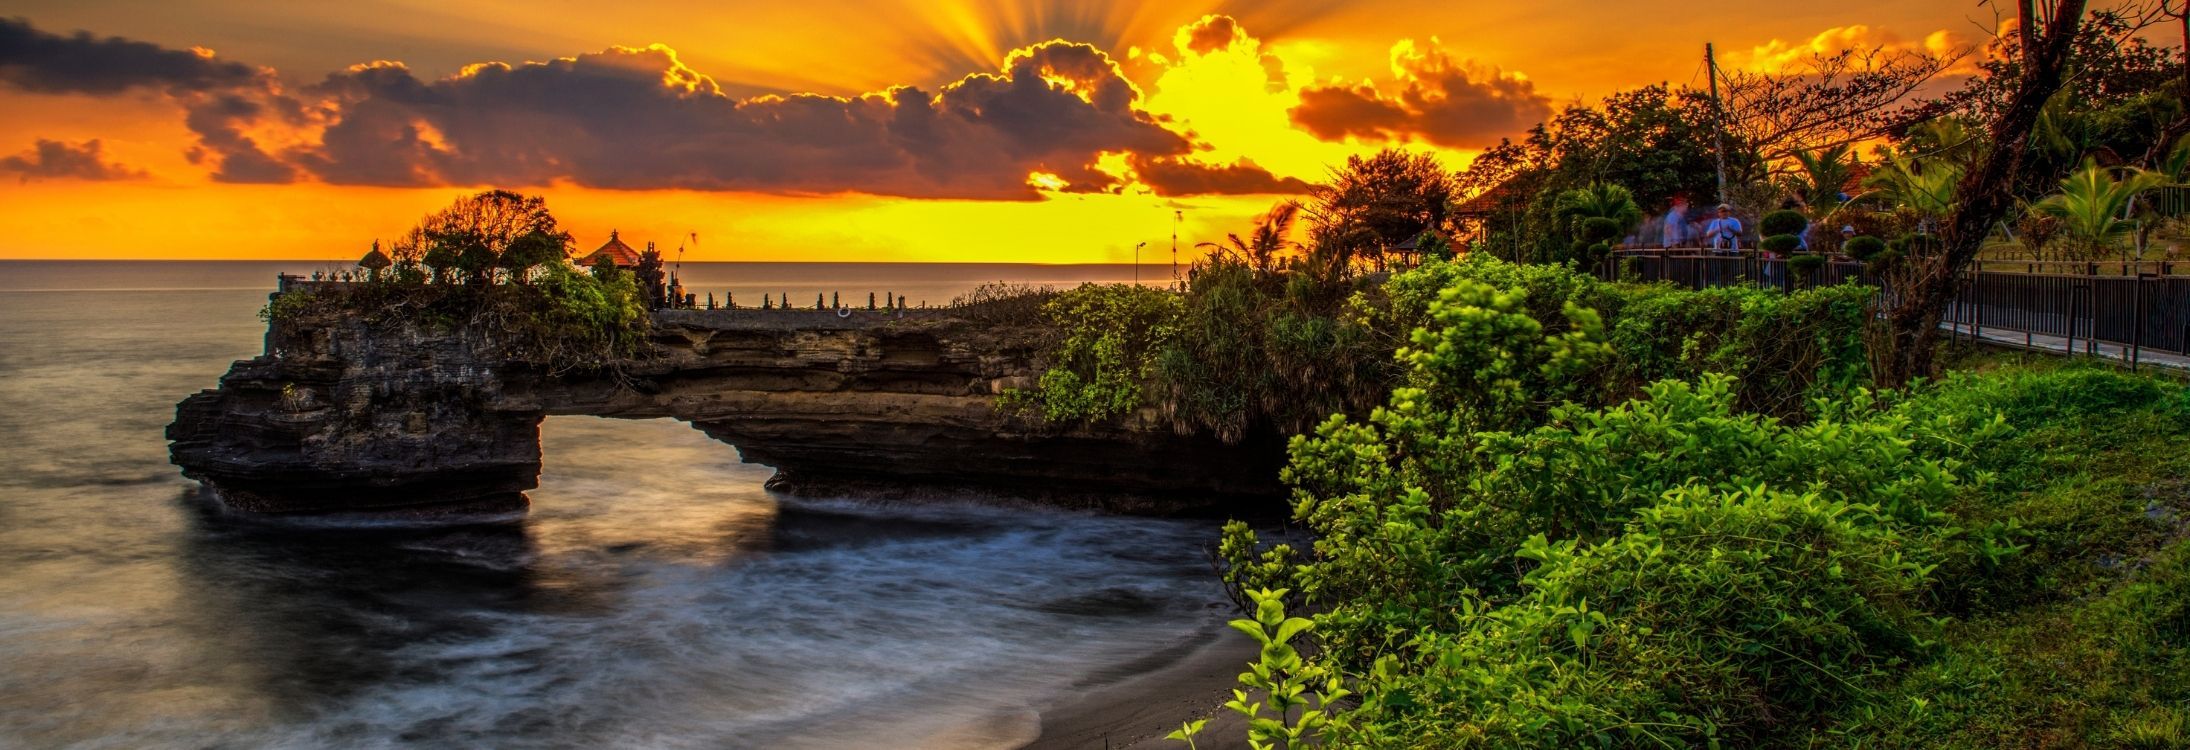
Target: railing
<point>839,304</point>
<point>2119,315</point>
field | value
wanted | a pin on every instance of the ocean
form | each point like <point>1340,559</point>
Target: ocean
<point>655,595</point>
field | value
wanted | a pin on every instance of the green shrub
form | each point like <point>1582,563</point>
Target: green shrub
<point>1596,229</point>
<point>1734,618</point>
<point>1781,244</point>
<point>1805,265</point>
<point>1864,248</point>
<point>1108,337</point>
<point>1675,571</point>
<point>1783,221</point>
<point>1782,349</point>
<point>1883,262</point>
<point>1595,254</point>
<point>287,307</point>
<point>1249,352</point>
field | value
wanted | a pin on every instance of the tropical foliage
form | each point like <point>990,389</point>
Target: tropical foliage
<point>2094,206</point>
<point>1499,562</point>
<point>1267,246</point>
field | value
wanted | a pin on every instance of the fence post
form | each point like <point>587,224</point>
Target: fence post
<point>1977,300</point>
<point>2070,347</point>
<point>2136,326</point>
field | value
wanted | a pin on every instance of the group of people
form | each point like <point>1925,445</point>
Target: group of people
<point>1721,231</point>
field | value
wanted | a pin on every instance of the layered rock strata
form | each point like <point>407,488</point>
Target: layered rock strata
<point>342,416</point>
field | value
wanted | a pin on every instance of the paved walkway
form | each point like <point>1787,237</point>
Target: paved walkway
<point>2084,346</point>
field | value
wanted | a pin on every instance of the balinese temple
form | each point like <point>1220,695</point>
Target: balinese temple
<point>615,251</point>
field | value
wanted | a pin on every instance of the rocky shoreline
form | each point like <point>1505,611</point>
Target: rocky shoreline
<point>343,415</point>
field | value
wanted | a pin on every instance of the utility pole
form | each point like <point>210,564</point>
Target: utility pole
<point>1137,263</point>
<point>1718,118</point>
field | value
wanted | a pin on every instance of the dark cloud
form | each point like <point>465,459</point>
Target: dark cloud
<point>34,60</point>
<point>222,98</point>
<point>221,120</point>
<point>58,159</point>
<point>1169,176</point>
<point>1212,33</point>
<point>1437,101</point>
<point>638,118</point>
<point>1215,33</point>
<point>628,118</point>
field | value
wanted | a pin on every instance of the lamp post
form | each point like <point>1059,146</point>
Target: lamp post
<point>1137,263</point>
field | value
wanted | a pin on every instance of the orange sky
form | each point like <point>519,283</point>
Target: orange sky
<point>800,191</point>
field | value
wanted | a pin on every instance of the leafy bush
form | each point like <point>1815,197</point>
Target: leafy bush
<point>1254,352</point>
<point>1882,262</point>
<point>1782,349</point>
<point>1250,357</point>
<point>1783,221</point>
<point>1806,265</point>
<point>1107,340</point>
<point>1596,229</point>
<point>1780,244</point>
<point>1674,571</point>
<point>1864,248</point>
<point>1715,617</point>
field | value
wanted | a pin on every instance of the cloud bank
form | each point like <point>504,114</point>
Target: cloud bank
<point>638,118</point>
<point>1431,98</point>
<point>49,159</point>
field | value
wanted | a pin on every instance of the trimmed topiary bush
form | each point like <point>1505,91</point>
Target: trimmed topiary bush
<point>1883,261</point>
<point>1598,229</point>
<point>1596,253</point>
<point>1781,243</point>
<point>1783,222</point>
<point>1806,265</point>
<point>1864,248</point>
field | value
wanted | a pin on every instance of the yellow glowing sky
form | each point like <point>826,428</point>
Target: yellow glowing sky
<point>1226,99</point>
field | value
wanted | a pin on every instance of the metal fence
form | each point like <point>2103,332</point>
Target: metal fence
<point>2129,311</point>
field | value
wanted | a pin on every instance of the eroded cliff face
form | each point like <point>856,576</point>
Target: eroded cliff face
<point>343,416</point>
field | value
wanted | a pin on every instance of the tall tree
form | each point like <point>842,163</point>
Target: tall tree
<point>653,284</point>
<point>475,230</point>
<point>1926,282</point>
<point>1375,203</point>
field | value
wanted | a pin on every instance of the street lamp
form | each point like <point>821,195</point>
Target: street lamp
<point>1137,263</point>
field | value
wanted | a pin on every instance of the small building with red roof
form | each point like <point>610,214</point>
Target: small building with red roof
<point>615,252</point>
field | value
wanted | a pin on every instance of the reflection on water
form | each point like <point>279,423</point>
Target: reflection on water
<point>655,596</point>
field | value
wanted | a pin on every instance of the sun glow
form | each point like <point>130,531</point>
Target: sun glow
<point>1228,84</point>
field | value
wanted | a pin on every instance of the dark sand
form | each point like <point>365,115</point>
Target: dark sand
<point>1147,699</point>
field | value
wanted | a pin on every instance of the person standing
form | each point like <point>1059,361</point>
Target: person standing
<point>1724,232</point>
<point>1676,223</point>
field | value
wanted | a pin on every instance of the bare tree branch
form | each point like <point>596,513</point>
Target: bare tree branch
<point>1832,100</point>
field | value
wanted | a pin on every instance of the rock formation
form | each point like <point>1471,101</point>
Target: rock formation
<point>344,416</point>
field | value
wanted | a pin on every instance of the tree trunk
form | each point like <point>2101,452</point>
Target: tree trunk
<point>1926,284</point>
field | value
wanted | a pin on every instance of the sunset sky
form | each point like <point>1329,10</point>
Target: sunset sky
<point>839,130</point>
